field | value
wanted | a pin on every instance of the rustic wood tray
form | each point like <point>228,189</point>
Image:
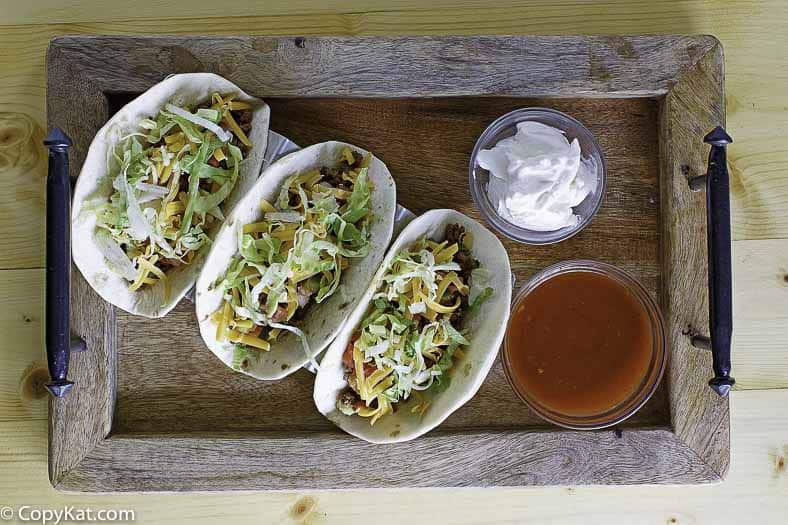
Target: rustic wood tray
<point>152,408</point>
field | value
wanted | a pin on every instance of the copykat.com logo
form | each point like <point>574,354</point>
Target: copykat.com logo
<point>68,514</point>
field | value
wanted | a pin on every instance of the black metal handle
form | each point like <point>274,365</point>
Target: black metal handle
<point>58,275</point>
<point>718,212</point>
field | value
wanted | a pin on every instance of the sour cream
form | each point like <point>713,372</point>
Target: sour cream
<point>537,177</point>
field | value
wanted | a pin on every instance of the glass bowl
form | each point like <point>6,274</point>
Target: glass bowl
<point>657,360</point>
<point>506,126</point>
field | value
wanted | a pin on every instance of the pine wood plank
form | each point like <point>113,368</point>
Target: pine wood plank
<point>530,16</point>
<point>23,368</point>
<point>51,12</point>
<point>755,490</point>
<point>609,67</point>
<point>22,205</point>
<point>760,313</point>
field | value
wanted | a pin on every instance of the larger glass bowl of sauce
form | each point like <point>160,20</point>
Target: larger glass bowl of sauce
<point>585,346</point>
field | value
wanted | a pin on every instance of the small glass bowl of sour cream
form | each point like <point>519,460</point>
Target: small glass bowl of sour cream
<point>537,175</point>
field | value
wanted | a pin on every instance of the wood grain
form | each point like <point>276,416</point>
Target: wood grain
<point>83,418</point>
<point>696,104</point>
<point>760,309</point>
<point>431,66</point>
<point>51,12</point>
<point>23,369</point>
<point>288,461</point>
<point>22,170</point>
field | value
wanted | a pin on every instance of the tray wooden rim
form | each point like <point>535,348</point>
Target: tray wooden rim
<point>685,72</point>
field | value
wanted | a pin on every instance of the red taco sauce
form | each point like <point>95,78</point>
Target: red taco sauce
<point>580,343</point>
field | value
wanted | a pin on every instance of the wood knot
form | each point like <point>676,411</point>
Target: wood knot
<point>622,46</point>
<point>183,61</point>
<point>32,385</point>
<point>696,52</point>
<point>265,45</point>
<point>150,61</point>
<point>302,508</point>
<point>21,141</point>
<point>300,42</point>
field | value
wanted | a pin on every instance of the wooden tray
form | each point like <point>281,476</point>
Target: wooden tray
<point>152,408</point>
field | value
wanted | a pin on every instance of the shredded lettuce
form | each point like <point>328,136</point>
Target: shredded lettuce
<point>115,255</point>
<point>302,337</point>
<point>197,120</point>
<point>149,218</point>
<point>480,299</point>
<point>284,216</point>
<point>240,354</point>
<point>410,337</point>
<point>358,203</point>
<point>294,255</point>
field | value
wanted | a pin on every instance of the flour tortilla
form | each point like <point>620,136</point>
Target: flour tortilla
<point>486,328</point>
<point>95,185</point>
<point>323,320</point>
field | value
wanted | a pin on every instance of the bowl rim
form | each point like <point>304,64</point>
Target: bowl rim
<point>651,380</point>
<point>491,216</point>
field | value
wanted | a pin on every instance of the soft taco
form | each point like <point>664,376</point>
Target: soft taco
<point>294,258</point>
<point>158,180</point>
<point>425,334</point>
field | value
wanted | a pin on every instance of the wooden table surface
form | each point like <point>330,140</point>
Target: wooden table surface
<point>753,33</point>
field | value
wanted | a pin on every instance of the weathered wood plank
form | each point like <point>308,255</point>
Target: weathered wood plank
<point>84,417</point>
<point>694,107</point>
<point>397,66</point>
<point>756,112</point>
<point>289,461</point>
<point>756,485</point>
